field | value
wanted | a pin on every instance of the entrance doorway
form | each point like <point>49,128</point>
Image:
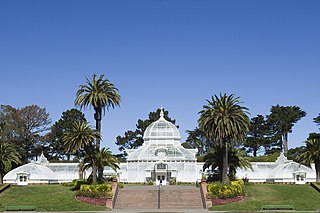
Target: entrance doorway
<point>161,178</point>
<point>161,173</point>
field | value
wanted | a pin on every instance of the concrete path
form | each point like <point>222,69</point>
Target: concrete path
<point>160,210</point>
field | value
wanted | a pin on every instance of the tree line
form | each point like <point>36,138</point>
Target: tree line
<point>26,132</point>
<point>224,137</point>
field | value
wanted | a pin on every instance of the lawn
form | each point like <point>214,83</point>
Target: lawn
<point>302,197</point>
<point>45,198</point>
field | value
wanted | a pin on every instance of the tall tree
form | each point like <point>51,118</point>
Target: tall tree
<point>224,120</point>
<point>311,154</point>
<point>103,158</point>
<point>258,135</point>
<point>82,136</point>
<point>64,124</point>
<point>236,159</point>
<point>25,127</point>
<point>282,120</point>
<point>197,140</point>
<point>8,155</point>
<point>100,94</point>
<point>317,120</point>
<point>134,139</point>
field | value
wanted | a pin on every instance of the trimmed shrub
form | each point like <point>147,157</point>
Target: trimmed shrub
<point>223,191</point>
<point>95,191</point>
<point>173,181</point>
<point>150,183</point>
<point>121,185</point>
<point>68,184</point>
<point>77,183</point>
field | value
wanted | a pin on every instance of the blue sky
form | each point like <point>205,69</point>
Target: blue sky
<point>160,52</point>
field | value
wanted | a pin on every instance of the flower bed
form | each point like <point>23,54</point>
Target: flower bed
<point>97,201</point>
<point>218,201</point>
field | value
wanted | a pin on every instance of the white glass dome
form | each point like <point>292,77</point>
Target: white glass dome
<point>161,129</point>
<point>286,170</point>
<point>35,170</point>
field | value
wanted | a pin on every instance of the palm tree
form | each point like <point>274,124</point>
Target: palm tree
<point>236,159</point>
<point>103,158</point>
<point>311,154</point>
<point>82,136</point>
<point>101,94</point>
<point>226,122</point>
<point>8,155</point>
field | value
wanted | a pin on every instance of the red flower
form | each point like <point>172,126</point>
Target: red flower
<point>218,201</point>
<point>96,201</point>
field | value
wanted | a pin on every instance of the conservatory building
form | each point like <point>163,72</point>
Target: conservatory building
<point>161,158</point>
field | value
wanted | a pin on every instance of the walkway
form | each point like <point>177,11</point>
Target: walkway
<point>147,198</point>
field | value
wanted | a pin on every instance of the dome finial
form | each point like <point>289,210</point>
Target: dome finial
<point>161,112</point>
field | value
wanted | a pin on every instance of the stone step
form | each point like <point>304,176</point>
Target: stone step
<point>136,199</point>
<point>170,198</point>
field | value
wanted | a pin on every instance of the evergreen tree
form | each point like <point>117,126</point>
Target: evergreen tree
<point>134,139</point>
<point>258,135</point>
<point>56,146</point>
<point>281,121</point>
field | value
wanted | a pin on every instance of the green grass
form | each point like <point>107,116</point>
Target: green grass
<point>302,197</point>
<point>45,198</point>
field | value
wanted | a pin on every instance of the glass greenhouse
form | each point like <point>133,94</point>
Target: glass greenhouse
<point>160,159</point>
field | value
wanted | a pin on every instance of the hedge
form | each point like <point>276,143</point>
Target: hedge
<point>223,191</point>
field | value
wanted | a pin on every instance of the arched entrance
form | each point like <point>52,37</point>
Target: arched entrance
<point>161,173</point>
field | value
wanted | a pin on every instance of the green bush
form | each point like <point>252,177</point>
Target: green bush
<point>223,191</point>
<point>150,183</point>
<point>68,184</point>
<point>121,185</point>
<point>265,158</point>
<point>96,187</point>
<point>93,194</point>
<point>77,183</point>
<point>97,190</point>
<point>173,181</point>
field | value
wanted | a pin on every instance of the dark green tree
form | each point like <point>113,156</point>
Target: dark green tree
<point>224,121</point>
<point>282,120</point>
<point>57,149</point>
<point>25,128</point>
<point>8,155</point>
<point>82,136</point>
<point>295,152</point>
<point>103,158</point>
<point>197,140</point>
<point>134,139</point>
<point>258,135</point>
<point>311,154</point>
<point>100,94</point>
<point>236,158</point>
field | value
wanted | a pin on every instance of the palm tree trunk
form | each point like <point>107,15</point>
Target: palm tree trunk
<point>94,172</point>
<point>97,117</point>
<point>225,178</point>
<point>317,166</point>
<point>255,152</point>
<point>100,174</point>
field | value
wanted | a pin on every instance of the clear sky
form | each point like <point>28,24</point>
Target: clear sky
<point>175,53</point>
